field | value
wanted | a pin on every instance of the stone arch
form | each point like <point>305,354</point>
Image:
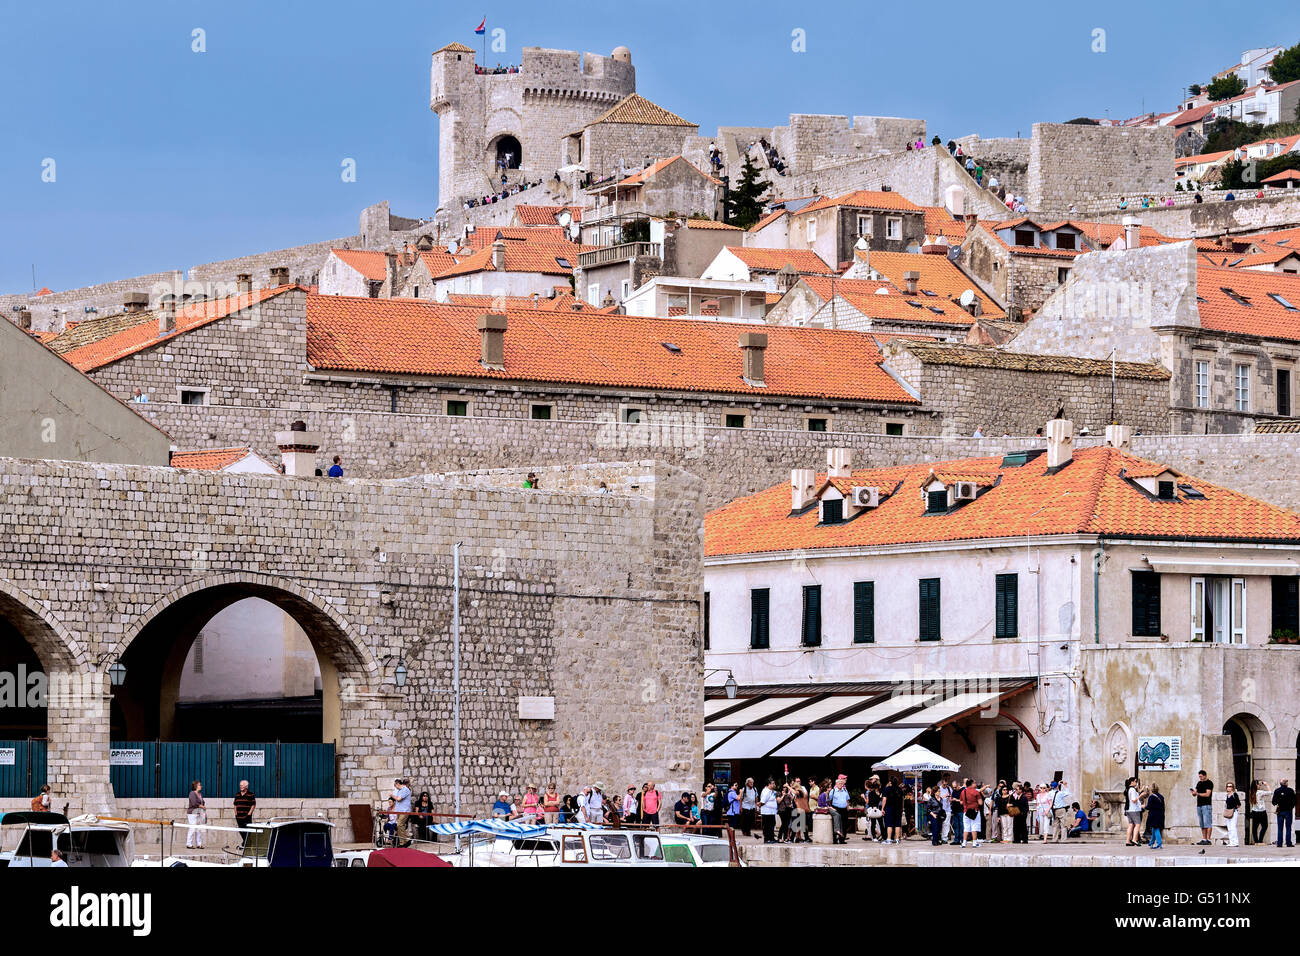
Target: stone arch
<point>505,148</point>
<point>1259,723</point>
<point>168,629</point>
<point>56,648</point>
<point>1250,731</point>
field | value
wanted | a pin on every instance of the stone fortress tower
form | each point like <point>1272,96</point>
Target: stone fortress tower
<point>519,117</point>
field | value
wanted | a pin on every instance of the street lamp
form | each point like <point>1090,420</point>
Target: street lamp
<point>730,686</point>
<point>117,673</point>
<point>399,674</point>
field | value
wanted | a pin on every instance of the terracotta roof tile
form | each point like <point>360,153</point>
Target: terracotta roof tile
<point>767,220</point>
<point>414,337</point>
<point>1087,496</point>
<point>804,261</point>
<point>484,236</point>
<point>711,224</point>
<point>865,199</point>
<point>939,275</point>
<point>638,110</point>
<point>209,459</point>
<point>547,257</point>
<point>370,263</point>
<point>1252,311</point>
<point>454,47</point>
<point>650,171</point>
<point>531,215</point>
<point>881,300</point>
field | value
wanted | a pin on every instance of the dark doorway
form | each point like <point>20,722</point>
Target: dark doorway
<point>509,154</point>
<point>1008,755</point>
<point>1241,753</point>
<point>22,686</point>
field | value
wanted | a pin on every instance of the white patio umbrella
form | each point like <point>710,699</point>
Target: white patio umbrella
<point>916,760</point>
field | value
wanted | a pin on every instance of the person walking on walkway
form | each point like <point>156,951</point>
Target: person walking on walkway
<point>245,804</point>
<point>1231,813</point>
<point>1132,812</point>
<point>1258,797</point>
<point>1284,807</point>
<point>1156,817</point>
<point>1060,811</point>
<point>196,815</point>
<point>1204,792</point>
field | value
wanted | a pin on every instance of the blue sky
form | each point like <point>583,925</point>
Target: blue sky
<point>166,158</point>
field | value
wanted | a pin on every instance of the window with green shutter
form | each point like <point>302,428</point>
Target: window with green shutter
<point>864,612</point>
<point>812,615</point>
<point>936,502</point>
<point>1007,606</point>
<point>930,609</point>
<point>1146,604</point>
<point>758,618</point>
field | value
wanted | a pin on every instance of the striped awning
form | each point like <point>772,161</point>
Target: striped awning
<point>872,719</point>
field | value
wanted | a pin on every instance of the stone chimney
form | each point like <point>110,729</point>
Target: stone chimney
<point>279,275</point>
<point>25,320</point>
<point>803,482</point>
<point>492,331</point>
<point>298,449</point>
<point>910,281</point>
<point>839,462</point>
<point>167,314</point>
<point>1060,442</point>
<point>608,301</point>
<point>786,277</point>
<point>135,302</point>
<point>1119,436</point>
<point>1132,232</point>
<point>499,255</point>
<point>244,283</point>
<point>752,347</point>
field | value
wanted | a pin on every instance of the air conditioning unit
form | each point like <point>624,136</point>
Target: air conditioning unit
<point>965,491</point>
<point>866,497</point>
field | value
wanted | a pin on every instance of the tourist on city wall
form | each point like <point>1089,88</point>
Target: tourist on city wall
<point>839,802</point>
<point>336,469</point>
<point>1204,793</point>
<point>748,803</point>
<point>1156,817</point>
<point>733,806</point>
<point>769,801</point>
<point>799,818</point>
<point>1258,800</point>
<point>196,816</point>
<point>1132,812</point>
<point>1284,807</point>
<point>423,813</point>
<point>551,804</point>
<point>245,803</point>
<point>1232,813</point>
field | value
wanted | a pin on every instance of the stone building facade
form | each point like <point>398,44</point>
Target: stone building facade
<point>589,602</point>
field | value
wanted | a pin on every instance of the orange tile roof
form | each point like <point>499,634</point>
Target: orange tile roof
<point>638,110</point>
<point>371,264</point>
<point>144,334</point>
<point>531,215</point>
<point>413,337</point>
<point>454,47</point>
<point>865,199</point>
<point>484,236</point>
<point>1283,176</point>
<point>992,227</point>
<point>1088,496</point>
<point>711,224</point>
<point>773,260</point>
<point>209,459</point>
<point>1262,316</point>
<point>649,172</point>
<point>881,300</point>
<point>939,222</point>
<point>546,257</point>
<point>561,302</point>
<point>438,261</point>
<point>939,275</point>
<point>771,217</point>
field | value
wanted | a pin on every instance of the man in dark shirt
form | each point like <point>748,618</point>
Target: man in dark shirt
<point>1284,805</point>
<point>245,803</point>
<point>1204,791</point>
<point>682,810</point>
<point>336,469</point>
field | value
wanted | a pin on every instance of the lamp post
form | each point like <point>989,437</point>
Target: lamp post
<point>730,686</point>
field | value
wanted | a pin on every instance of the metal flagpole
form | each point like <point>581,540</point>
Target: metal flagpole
<point>455,676</point>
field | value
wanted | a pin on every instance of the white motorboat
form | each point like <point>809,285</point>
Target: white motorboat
<point>28,838</point>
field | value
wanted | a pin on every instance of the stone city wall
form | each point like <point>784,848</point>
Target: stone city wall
<point>1073,163</point>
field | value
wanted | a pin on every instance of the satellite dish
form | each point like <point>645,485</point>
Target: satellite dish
<point>967,299</point>
<point>574,231</point>
<point>883,290</point>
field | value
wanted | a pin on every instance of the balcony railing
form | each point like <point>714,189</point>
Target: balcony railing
<point>621,252</point>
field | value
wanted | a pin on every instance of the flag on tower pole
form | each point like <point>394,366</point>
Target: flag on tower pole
<point>481,30</point>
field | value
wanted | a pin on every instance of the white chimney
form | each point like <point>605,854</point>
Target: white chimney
<point>802,485</point>
<point>1132,232</point>
<point>1119,436</point>
<point>1060,442</point>
<point>954,200</point>
<point>167,315</point>
<point>839,462</point>
<point>499,255</point>
<point>910,281</point>
<point>298,449</point>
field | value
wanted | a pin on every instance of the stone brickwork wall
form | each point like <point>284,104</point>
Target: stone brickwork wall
<point>71,304</point>
<point>1072,163</point>
<point>594,600</point>
<point>1006,158</point>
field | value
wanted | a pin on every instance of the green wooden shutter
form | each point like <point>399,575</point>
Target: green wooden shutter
<point>864,612</point>
<point>1007,601</point>
<point>930,608</point>
<point>1146,604</point>
<point>1286,604</point>
<point>812,615</point>
<point>758,618</point>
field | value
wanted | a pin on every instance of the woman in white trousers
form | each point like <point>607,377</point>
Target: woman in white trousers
<point>196,816</point>
<point>1232,815</point>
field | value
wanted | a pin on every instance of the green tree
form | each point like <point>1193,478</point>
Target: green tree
<point>1286,65</point>
<point>1194,89</point>
<point>745,199</point>
<point>1226,87</point>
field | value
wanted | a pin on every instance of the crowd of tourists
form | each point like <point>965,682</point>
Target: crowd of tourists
<point>505,193</point>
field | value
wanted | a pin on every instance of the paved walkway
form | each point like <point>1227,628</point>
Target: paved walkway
<point>1094,852</point>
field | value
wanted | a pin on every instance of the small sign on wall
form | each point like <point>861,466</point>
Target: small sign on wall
<point>8,756</point>
<point>536,708</point>
<point>1160,753</point>
<point>250,758</point>
<point>126,757</point>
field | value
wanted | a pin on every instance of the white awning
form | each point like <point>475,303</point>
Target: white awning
<point>880,741</point>
<point>815,743</point>
<point>1226,566</point>
<point>749,744</point>
<point>818,711</point>
<point>959,704</point>
<point>887,709</point>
